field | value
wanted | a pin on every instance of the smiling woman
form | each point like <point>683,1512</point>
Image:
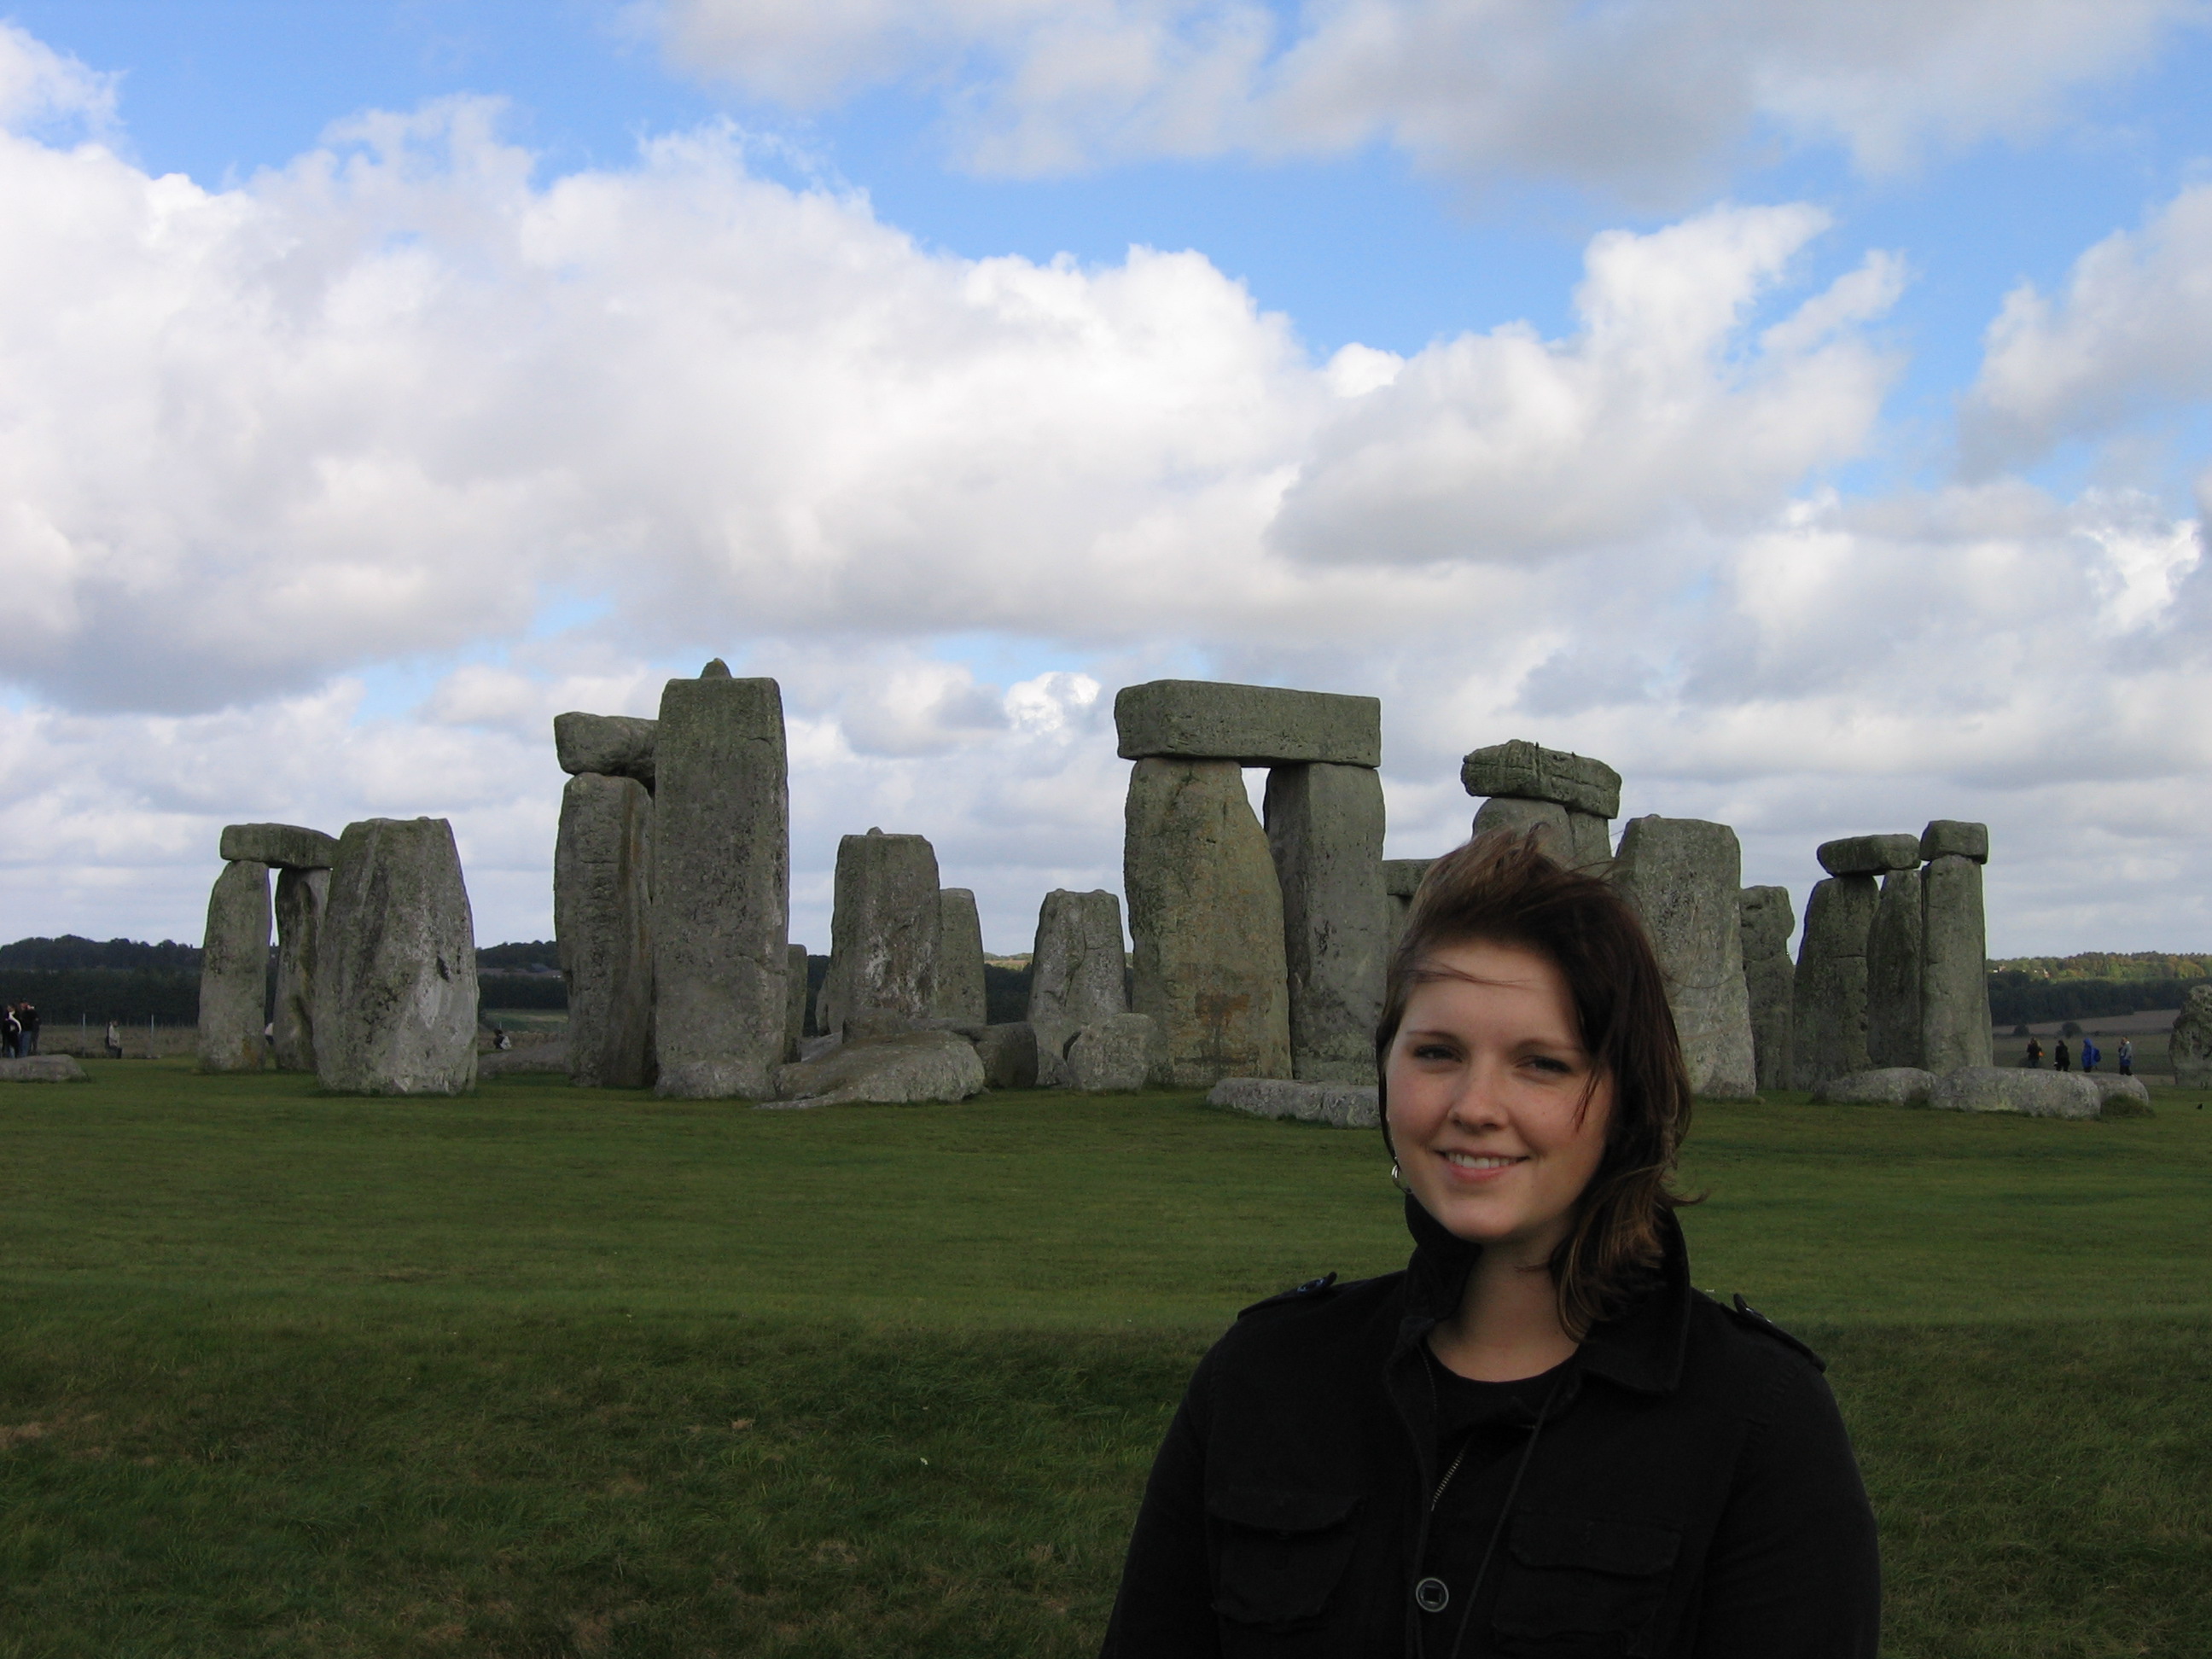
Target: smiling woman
<point>1538,1438</point>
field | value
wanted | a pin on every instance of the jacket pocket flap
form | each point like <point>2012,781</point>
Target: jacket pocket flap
<point>1630,1548</point>
<point>1280,1509</point>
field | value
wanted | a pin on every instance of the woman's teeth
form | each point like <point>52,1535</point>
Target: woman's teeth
<point>1470,1161</point>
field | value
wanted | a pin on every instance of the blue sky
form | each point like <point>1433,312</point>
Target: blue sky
<point>1780,526</point>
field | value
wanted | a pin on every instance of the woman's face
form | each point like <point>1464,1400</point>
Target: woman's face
<point>1493,1115</point>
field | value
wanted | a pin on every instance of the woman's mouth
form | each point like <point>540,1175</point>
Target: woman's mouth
<point>1480,1161</point>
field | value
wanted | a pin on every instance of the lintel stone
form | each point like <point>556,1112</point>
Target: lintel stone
<point>1253,725</point>
<point>617,745</point>
<point>1869,855</point>
<point>280,846</point>
<point>1949,836</point>
<point>1531,772</point>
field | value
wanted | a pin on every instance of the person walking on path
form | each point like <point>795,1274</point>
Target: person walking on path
<point>2059,1058</point>
<point>114,1042</point>
<point>2034,1055</point>
<point>2091,1054</point>
<point>2127,1057</point>
<point>11,1034</point>
<point>30,1030</point>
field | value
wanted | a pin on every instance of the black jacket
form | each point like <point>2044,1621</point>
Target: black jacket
<point>1690,1490</point>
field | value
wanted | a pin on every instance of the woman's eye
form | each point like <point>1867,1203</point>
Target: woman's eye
<point>1433,1051</point>
<point>1547,1063</point>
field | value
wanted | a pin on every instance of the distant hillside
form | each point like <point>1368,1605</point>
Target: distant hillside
<point>2108,965</point>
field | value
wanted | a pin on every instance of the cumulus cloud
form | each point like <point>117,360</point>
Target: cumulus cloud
<point>1643,99</point>
<point>2130,331</point>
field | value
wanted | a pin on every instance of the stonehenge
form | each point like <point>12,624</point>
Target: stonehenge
<point>1224,911</point>
<point>602,923</point>
<point>885,933</point>
<point>721,887</point>
<point>612,745</point>
<point>235,968</point>
<point>1684,877</point>
<point>1828,1024</point>
<point>1077,973</point>
<point>1121,1054</point>
<point>1523,780</point>
<point>1954,987</point>
<point>1766,923</point>
<point>395,971</point>
<point>1401,879</point>
<point>301,897</point>
<point>961,993</point>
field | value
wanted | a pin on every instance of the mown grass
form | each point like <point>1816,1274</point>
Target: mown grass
<point>553,1372</point>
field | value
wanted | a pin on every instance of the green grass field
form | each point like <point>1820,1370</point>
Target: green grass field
<point>550,1372</point>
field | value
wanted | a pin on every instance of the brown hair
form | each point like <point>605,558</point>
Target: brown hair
<point>1505,889</point>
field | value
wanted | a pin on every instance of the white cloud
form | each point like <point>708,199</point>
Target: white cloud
<point>40,88</point>
<point>2130,331</point>
<point>1650,98</point>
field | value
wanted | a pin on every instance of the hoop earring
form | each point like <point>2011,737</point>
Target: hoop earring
<point>1397,1178</point>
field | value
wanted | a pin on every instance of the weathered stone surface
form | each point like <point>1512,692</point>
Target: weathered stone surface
<point>526,1057</point>
<point>1955,985</point>
<point>722,888</point>
<point>1534,773</point>
<point>2191,1044</point>
<point>1116,1055</point>
<point>234,969</point>
<point>1828,1025</point>
<point>1869,855</point>
<point>2122,1096</point>
<point>603,920</point>
<point>961,994</point>
<point>1894,1085</point>
<point>1346,1106</point>
<point>1401,879</point>
<point>1509,815</point>
<point>614,745</point>
<point>915,1067</point>
<point>1077,973</point>
<point>301,895</point>
<point>1206,916</point>
<point>2007,1089</point>
<point>396,965</point>
<point>43,1068</point>
<point>794,1000</point>
<point>1893,951</point>
<point>1008,1051</point>
<point>280,846</point>
<point>1325,832</point>
<point>1769,979</point>
<point>885,931</point>
<point>1590,838</point>
<point>1683,876</point>
<point>1954,837</point>
<point>1257,724</point>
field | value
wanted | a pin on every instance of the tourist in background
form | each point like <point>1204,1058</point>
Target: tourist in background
<point>30,1018</point>
<point>2127,1057</point>
<point>1539,1437</point>
<point>114,1042</point>
<point>2059,1058</point>
<point>11,1034</point>
<point>2090,1055</point>
<point>2034,1054</point>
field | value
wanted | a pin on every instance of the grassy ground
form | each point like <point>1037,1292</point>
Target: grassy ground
<point>551,1372</point>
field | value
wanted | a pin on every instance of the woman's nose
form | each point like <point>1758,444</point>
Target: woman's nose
<point>1479,1102</point>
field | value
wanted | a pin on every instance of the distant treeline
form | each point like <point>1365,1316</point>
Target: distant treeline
<point>2107,965</point>
<point>2018,999</point>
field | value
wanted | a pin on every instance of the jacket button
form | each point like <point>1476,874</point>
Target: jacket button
<point>1431,1595</point>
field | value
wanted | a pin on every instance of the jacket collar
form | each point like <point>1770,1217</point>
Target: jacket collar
<point>1640,1350</point>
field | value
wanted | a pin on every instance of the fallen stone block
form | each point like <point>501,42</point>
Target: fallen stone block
<point>1532,772</point>
<point>43,1068</point>
<point>1869,855</point>
<point>1119,1054</point>
<point>617,745</point>
<point>2004,1089</point>
<point>1008,1051</point>
<point>2123,1097</point>
<point>900,1071</point>
<point>280,846</point>
<point>1254,724</point>
<point>1887,1085</point>
<point>1345,1105</point>
<point>1954,837</point>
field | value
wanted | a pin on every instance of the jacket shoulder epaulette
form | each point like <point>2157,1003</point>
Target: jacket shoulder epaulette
<point>1749,1318</point>
<point>1312,1291</point>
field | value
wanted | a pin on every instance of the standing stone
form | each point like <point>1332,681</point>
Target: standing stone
<point>1893,1037</point>
<point>234,969</point>
<point>603,920</point>
<point>1955,983</point>
<point>1769,978</point>
<point>721,887</point>
<point>961,991</point>
<point>396,965</point>
<point>885,933</point>
<point>1510,814</point>
<point>1830,1024</point>
<point>1206,916</point>
<point>1325,832</point>
<point>794,1005</point>
<point>1401,879</point>
<point>2190,1047</point>
<point>1077,974</point>
<point>1683,876</point>
<point>1590,838</point>
<point>300,897</point>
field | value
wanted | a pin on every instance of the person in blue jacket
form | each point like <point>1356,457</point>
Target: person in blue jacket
<point>1538,1438</point>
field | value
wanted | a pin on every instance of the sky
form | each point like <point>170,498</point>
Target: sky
<point>1803,409</point>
